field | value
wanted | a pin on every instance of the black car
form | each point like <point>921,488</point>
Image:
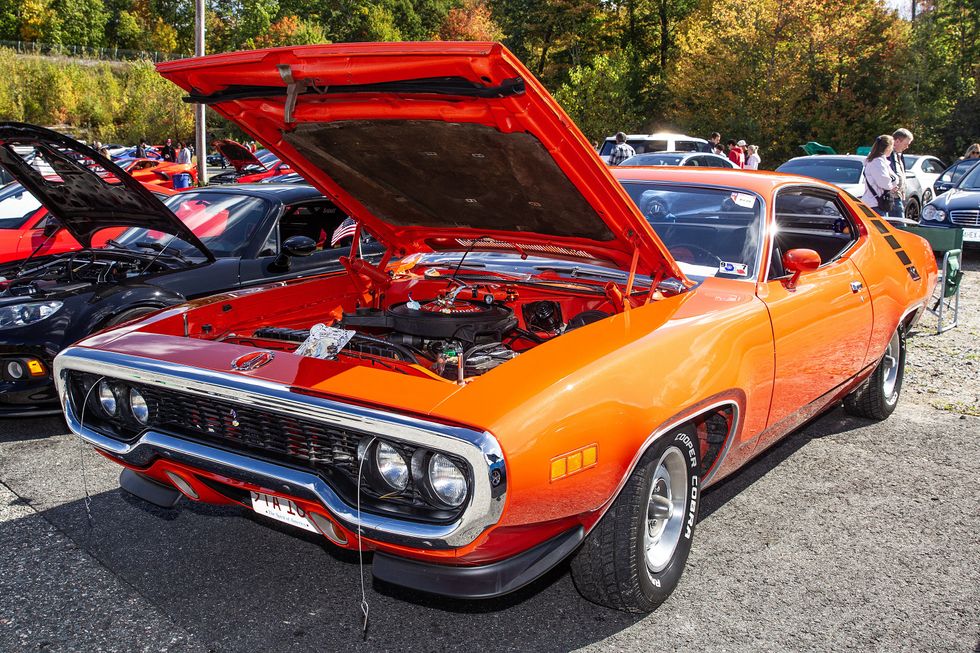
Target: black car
<point>225,238</point>
<point>958,207</point>
<point>952,175</point>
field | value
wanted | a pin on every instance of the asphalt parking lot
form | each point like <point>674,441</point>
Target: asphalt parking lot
<point>847,535</point>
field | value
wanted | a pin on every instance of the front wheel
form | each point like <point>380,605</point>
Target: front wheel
<point>912,210</point>
<point>633,559</point>
<point>877,397</point>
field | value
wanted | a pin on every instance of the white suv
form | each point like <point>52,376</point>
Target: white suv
<point>660,142</point>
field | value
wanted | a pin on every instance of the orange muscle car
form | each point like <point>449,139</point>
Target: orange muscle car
<point>551,361</point>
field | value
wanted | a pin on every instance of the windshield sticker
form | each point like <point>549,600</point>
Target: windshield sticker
<point>744,199</point>
<point>738,269</point>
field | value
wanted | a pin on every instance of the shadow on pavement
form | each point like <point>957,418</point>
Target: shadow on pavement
<point>31,428</point>
<point>831,423</point>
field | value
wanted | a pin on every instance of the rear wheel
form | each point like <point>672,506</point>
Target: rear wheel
<point>633,559</point>
<point>877,397</point>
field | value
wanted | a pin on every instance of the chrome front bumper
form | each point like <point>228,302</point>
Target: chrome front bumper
<point>479,449</point>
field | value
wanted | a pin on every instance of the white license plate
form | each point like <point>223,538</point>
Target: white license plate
<point>971,235</point>
<point>282,510</point>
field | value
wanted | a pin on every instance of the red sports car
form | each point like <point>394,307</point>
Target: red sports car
<point>248,168</point>
<point>157,173</point>
<point>27,229</point>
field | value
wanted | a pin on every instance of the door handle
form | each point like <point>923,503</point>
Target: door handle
<point>856,286</point>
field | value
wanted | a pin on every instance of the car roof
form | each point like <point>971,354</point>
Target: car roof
<point>828,157</point>
<point>758,181</point>
<point>285,193</point>
<point>661,136</point>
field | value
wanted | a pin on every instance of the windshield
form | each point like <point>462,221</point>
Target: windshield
<point>972,180</point>
<point>16,206</point>
<point>834,171</point>
<point>709,232</point>
<point>225,222</point>
<point>654,160</point>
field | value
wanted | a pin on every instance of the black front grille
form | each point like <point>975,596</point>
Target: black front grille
<point>328,450</point>
<point>294,439</point>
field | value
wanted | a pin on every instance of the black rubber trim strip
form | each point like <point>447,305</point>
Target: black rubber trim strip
<point>147,489</point>
<point>480,582</point>
<point>455,86</point>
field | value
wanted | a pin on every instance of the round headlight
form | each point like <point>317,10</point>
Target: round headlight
<point>448,483</point>
<point>137,404</point>
<point>107,399</point>
<point>15,370</point>
<point>391,466</point>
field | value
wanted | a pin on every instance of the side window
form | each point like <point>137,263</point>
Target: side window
<point>953,174</point>
<point>685,146</point>
<point>649,146</point>
<point>810,219</point>
<point>317,220</point>
<point>931,166</point>
<point>695,161</point>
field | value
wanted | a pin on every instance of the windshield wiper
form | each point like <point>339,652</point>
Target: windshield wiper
<point>115,243</point>
<point>576,271</point>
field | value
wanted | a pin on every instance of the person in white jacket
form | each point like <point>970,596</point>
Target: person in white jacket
<point>879,178</point>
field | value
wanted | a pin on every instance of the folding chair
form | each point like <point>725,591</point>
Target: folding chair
<point>947,293</point>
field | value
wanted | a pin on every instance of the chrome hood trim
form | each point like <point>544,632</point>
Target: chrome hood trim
<point>480,449</point>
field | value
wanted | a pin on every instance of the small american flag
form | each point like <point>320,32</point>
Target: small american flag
<point>346,229</point>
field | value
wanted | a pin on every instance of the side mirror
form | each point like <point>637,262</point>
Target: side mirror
<point>798,261</point>
<point>294,246</point>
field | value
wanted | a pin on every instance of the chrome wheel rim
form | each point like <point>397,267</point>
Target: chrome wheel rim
<point>665,510</point>
<point>889,380</point>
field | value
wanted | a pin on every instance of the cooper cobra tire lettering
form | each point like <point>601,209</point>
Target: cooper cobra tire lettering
<point>692,508</point>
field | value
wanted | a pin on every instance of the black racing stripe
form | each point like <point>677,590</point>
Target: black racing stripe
<point>868,212</point>
<point>891,240</point>
<point>913,272</point>
<point>880,226</point>
<point>903,257</point>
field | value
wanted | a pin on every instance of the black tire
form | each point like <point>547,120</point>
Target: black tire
<point>877,397</point>
<point>130,314</point>
<point>912,210</point>
<point>611,567</point>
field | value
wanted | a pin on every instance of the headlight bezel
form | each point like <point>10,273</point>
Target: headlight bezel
<point>419,489</point>
<point>12,316</point>
<point>933,214</point>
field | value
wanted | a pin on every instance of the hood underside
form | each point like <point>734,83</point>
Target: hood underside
<point>237,154</point>
<point>431,145</point>
<point>84,190</point>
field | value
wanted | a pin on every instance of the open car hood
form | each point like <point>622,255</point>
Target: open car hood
<point>237,155</point>
<point>83,199</point>
<point>432,145</point>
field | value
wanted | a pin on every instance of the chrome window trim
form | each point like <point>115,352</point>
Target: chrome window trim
<point>480,449</point>
<point>770,239</point>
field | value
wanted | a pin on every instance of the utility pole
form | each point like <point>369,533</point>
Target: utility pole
<point>200,119</point>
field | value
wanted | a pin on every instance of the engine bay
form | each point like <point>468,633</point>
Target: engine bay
<point>73,271</point>
<point>450,328</point>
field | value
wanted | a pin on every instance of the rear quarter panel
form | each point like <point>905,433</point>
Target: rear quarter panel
<point>889,261</point>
